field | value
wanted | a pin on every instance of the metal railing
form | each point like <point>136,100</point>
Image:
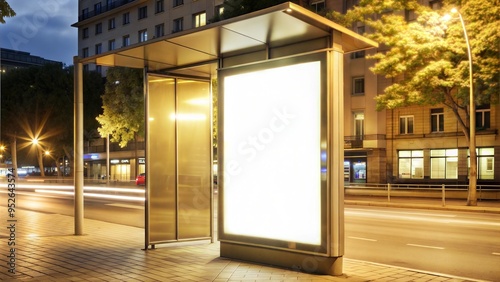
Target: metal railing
<point>442,191</point>
<point>103,9</point>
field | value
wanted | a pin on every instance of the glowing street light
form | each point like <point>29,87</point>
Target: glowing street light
<point>472,198</point>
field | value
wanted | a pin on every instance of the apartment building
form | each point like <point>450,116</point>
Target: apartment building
<point>105,25</point>
<point>419,144</point>
<point>406,145</point>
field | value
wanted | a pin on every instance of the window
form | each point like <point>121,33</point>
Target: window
<point>359,54</point>
<point>406,125</point>
<point>98,69</point>
<point>126,18</point>
<point>411,164</point>
<point>219,10</point>
<point>98,28</point>
<point>483,117</point>
<point>485,163</point>
<point>359,125</point>
<point>85,13</point>
<point>178,2</point>
<point>143,35</point>
<point>437,120</point>
<point>200,19</point>
<point>444,164</point>
<point>85,52</point>
<point>97,8</point>
<point>436,4</point>
<point>410,15</point>
<point>85,33</point>
<point>177,25</point>
<point>159,6</point>
<point>111,45</point>
<point>126,41</point>
<point>110,4</point>
<point>349,4</point>
<point>358,86</point>
<point>159,30</point>
<point>98,48</point>
<point>143,12</point>
<point>318,6</point>
<point>111,23</point>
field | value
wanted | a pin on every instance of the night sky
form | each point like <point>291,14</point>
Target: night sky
<point>42,28</point>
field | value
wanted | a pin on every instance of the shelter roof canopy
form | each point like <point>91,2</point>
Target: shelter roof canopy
<point>196,51</point>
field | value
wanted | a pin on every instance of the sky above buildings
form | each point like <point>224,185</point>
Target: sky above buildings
<point>42,28</point>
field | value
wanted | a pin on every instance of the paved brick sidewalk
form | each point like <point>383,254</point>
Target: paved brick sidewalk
<point>46,250</point>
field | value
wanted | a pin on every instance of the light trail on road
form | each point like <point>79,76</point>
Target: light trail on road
<point>93,195</point>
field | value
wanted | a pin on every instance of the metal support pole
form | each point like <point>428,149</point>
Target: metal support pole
<point>388,192</point>
<point>78,144</point>
<point>107,161</point>
<point>443,195</point>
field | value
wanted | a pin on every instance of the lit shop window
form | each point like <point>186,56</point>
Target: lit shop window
<point>411,164</point>
<point>485,163</point>
<point>444,164</point>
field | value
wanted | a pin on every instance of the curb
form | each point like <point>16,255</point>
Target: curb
<point>425,206</point>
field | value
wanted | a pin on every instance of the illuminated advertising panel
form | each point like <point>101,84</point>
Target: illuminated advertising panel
<point>272,188</point>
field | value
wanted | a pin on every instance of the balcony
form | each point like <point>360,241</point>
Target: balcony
<point>103,9</point>
<point>364,141</point>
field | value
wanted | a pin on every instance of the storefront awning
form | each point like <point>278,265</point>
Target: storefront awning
<point>197,51</point>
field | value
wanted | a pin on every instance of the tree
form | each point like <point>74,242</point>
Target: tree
<point>427,58</point>
<point>123,105</point>
<point>93,88</point>
<point>5,11</point>
<point>36,103</point>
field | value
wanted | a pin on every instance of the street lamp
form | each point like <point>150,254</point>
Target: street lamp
<point>472,198</point>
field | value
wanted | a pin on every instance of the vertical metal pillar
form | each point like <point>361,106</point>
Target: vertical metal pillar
<point>336,136</point>
<point>78,144</point>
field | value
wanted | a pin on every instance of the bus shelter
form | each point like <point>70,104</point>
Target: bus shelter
<point>280,135</point>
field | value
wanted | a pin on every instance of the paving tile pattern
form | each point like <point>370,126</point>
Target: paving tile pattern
<point>46,250</point>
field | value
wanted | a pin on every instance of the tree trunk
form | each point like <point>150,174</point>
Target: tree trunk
<point>13,147</point>
<point>58,168</point>
<point>70,161</point>
<point>39,156</point>
<point>472,192</point>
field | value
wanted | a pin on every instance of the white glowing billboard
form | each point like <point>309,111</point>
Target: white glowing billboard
<point>272,134</point>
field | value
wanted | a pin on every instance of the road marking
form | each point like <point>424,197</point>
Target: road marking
<point>424,246</point>
<point>496,254</point>
<point>125,206</point>
<point>364,239</point>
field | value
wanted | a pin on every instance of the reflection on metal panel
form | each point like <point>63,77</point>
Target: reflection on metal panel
<point>193,121</point>
<point>161,159</point>
<point>179,159</point>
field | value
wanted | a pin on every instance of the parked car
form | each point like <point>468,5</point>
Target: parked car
<point>140,179</point>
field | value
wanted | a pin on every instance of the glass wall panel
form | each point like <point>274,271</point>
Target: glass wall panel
<point>161,173</point>
<point>194,167</point>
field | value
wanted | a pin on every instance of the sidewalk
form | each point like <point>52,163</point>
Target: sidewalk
<point>46,250</point>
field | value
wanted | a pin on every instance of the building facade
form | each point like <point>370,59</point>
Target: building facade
<point>419,144</point>
<point>13,59</point>
<point>407,145</point>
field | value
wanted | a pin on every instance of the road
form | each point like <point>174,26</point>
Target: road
<point>454,243</point>
<point>110,204</point>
